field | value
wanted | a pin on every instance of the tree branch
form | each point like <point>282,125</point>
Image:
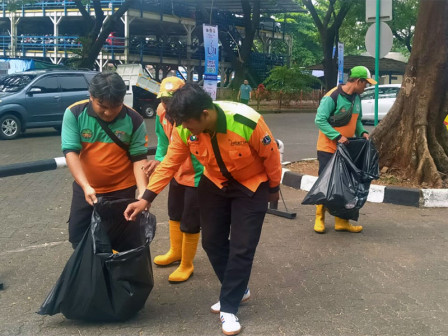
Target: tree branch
<point>309,5</point>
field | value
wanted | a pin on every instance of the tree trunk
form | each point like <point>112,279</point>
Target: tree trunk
<point>411,139</point>
<point>99,31</point>
<point>251,22</point>
<point>328,26</point>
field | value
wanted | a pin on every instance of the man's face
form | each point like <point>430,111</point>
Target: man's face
<point>361,85</point>
<point>246,82</point>
<point>196,126</point>
<point>105,110</point>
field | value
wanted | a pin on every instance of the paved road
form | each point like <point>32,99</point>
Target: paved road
<point>391,279</point>
<point>296,130</point>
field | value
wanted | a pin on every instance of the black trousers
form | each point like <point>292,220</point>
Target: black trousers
<point>81,211</point>
<point>183,207</point>
<point>323,158</point>
<point>231,223</point>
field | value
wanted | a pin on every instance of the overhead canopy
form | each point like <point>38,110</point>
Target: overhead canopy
<point>387,65</point>
<point>266,6</point>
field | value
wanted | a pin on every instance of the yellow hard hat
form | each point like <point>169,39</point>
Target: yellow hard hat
<point>169,85</point>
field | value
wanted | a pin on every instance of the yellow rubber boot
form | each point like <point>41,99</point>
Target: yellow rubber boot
<point>319,223</point>
<point>344,225</point>
<point>186,268</point>
<point>175,252</point>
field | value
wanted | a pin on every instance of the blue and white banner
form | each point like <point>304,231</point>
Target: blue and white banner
<point>211,85</point>
<point>211,49</point>
<point>211,59</point>
<point>340,63</point>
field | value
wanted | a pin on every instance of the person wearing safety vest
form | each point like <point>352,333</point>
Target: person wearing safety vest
<point>183,206</point>
<point>242,173</point>
<point>339,118</point>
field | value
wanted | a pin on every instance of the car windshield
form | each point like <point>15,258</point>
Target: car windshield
<point>15,83</point>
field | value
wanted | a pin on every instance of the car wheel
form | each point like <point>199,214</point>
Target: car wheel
<point>10,127</point>
<point>148,111</point>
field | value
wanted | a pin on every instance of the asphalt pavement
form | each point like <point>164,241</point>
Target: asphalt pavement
<point>390,279</point>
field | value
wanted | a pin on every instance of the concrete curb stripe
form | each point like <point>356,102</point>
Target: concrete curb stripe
<point>435,198</point>
<point>379,193</point>
<point>307,182</point>
<point>376,193</point>
<point>290,179</point>
<point>402,196</point>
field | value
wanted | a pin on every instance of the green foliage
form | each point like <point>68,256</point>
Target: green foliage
<point>306,49</point>
<point>289,80</point>
<point>404,17</point>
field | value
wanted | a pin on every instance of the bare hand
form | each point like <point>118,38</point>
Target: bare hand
<point>274,197</point>
<point>343,140</point>
<point>90,195</point>
<point>134,209</point>
<point>150,166</point>
<point>366,136</point>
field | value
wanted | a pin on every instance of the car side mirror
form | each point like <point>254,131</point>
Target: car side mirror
<point>34,90</point>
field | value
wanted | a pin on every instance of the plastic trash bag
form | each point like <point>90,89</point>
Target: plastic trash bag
<point>343,185</point>
<point>98,284</point>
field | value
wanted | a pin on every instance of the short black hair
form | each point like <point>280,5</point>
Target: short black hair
<point>108,87</point>
<point>188,103</point>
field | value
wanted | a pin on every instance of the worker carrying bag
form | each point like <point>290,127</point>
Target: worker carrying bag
<point>343,185</point>
<point>109,275</point>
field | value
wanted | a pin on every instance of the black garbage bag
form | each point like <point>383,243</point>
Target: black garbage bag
<point>343,185</point>
<point>98,284</point>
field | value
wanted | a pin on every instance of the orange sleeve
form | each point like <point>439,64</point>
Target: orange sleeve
<point>265,145</point>
<point>178,153</point>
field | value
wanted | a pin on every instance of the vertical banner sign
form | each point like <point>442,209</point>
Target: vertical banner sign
<point>340,63</point>
<point>211,59</point>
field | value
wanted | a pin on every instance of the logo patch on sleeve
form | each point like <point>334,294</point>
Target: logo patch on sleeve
<point>86,133</point>
<point>266,140</point>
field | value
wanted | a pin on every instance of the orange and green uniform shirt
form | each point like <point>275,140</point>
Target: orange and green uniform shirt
<point>107,166</point>
<point>190,172</point>
<point>244,143</point>
<point>334,101</point>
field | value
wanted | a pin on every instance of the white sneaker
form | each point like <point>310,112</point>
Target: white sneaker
<point>230,324</point>
<point>216,308</point>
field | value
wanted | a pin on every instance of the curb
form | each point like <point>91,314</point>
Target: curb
<point>42,165</point>
<point>427,198</point>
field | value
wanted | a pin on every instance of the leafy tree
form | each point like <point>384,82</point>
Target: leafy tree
<point>412,139</point>
<point>306,50</point>
<point>354,28</point>
<point>403,23</point>
<point>328,16</point>
<point>286,81</point>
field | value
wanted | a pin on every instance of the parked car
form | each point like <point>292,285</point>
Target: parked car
<point>114,40</point>
<point>270,24</point>
<point>34,99</point>
<point>386,98</point>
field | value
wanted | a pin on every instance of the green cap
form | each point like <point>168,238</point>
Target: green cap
<point>361,72</point>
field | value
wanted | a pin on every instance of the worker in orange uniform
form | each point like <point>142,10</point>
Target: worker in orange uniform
<point>242,173</point>
<point>183,207</point>
<point>339,118</point>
